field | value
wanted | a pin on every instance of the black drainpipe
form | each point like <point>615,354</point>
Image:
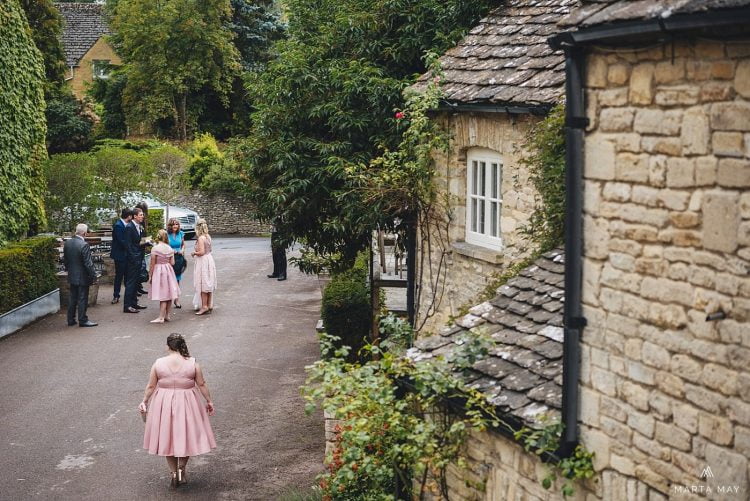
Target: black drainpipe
<point>575,123</point>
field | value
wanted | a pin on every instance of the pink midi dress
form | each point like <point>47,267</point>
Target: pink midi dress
<point>177,421</point>
<point>164,285</point>
<point>204,274</point>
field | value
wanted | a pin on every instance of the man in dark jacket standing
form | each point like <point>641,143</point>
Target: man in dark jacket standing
<point>134,259</point>
<point>118,253</point>
<point>81,275</point>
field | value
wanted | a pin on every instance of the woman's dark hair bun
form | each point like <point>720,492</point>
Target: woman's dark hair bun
<point>176,342</point>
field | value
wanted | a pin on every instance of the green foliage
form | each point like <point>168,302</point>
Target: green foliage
<point>45,22</point>
<point>545,145</point>
<point>327,103</point>
<point>386,433</point>
<point>396,335</point>
<point>256,27</point>
<point>68,124</point>
<point>27,270</point>
<point>173,50</point>
<point>345,308</point>
<point>108,92</point>
<point>120,171</point>
<point>546,441</point>
<point>22,125</point>
<point>204,156</point>
<point>154,222</point>
<point>168,163</point>
<point>73,192</point>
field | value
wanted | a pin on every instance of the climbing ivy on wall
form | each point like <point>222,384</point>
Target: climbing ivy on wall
<point>22,125</point>
<point>546,163</point>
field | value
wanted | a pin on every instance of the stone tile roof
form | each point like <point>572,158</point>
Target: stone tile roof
<point>595,12</point>
<point>84,24</point>
<point>505,60</point>
<point>522,375</point>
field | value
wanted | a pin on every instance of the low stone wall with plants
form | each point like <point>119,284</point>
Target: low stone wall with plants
<point>225,214</point>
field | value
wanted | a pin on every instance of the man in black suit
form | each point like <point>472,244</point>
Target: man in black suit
<point>133,265</point>
<point>118,253</point>
<point>81,275</point>
<point>278,254</point>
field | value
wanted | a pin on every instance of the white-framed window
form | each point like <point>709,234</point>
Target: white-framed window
<point>100,68</point>
<point>484,198</point>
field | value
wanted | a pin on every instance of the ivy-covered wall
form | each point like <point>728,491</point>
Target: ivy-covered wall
<point>22,125</point>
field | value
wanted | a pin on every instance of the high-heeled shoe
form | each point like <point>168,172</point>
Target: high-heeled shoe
<point>181,475</point>
<point>174,482</point>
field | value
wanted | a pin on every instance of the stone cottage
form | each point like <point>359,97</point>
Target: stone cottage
<point>655,345</point>
<point>87,53</point>
<point>658,143</point>
<point>498,81</point>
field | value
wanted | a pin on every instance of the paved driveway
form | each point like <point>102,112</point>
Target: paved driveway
<point>69,428</point>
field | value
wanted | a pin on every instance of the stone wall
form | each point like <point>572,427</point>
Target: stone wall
<point>225,215</point>
<point>666,393</point>
<point>466,268</point>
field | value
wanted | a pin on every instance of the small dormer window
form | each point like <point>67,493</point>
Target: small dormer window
<point>101,68</point>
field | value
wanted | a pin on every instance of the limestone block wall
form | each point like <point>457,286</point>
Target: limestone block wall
<point>225,214</point>
<point>666,393</point>
<point>498,469</point>
<point>83,74</point>
<point>454,272</point>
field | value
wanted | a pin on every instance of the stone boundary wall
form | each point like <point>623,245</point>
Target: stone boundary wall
<point>225,214</point>
<point>468,267</point>
<point>666,393</point>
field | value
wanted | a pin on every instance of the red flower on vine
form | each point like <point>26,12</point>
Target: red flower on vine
<point>400,115</point>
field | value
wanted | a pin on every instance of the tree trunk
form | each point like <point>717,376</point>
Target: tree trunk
<point>183,112</point>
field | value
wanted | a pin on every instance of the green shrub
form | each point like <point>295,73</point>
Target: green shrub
<point>28,269</point>
<point>204,155</point>
<point>346,308</point>
<point>155,222</point>
<point>73,192</point>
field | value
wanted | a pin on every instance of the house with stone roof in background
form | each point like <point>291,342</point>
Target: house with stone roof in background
<point>499,81</point>
<point>88,55</point>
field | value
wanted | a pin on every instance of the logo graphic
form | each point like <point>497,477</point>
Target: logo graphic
<point>707,473</point>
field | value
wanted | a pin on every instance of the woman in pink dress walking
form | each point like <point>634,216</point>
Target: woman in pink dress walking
<point>177,424</point>
<point>163,286</point>
<point>204,274</point>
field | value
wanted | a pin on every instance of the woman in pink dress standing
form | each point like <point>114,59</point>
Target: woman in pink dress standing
<point>204,274</point>
<point>177,424</point>
<point>163,286</point>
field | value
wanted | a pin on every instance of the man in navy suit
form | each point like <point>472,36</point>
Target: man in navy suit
<point>118,253</point>
<point>134,259</point>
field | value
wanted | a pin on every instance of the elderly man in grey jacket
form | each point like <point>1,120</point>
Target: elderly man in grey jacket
<point>81,275</point>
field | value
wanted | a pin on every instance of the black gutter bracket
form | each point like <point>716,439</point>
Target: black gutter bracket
<point>577,122</point>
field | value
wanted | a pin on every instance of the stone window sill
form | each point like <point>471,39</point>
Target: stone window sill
<point>477,252</point>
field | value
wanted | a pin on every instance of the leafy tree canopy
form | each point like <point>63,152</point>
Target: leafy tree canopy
<point>327,102</point>
<point>45,22</point>
<point>22,126</point>
<point>172,49</point>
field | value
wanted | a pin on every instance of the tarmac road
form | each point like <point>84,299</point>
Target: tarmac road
<point>69,427</point>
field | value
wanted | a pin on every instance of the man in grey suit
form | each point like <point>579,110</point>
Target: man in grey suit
<point>81,275</point>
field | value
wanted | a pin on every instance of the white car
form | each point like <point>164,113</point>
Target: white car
<point>186,217</point>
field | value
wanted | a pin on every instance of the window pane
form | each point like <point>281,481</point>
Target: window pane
<point>493,219</point>
<point>500,181</point>
<point>481,216</point>
<point>474,177</point>
<point>482,173</point>
<point>474,214</point>
<point>495,188</point>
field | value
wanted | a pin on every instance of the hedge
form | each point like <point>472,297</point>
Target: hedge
<point>28,270</point>
<point>154,222</point>
<point>346,310</point>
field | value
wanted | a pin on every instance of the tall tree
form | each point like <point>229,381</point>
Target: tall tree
<point>173,48</point>
<point>327,102</point>
<point>68,124</point>
<point>22,126</point>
